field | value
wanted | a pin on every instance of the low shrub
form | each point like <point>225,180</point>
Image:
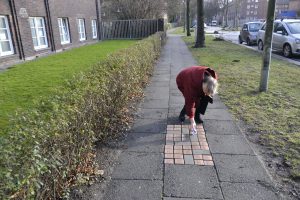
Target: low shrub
<point>49,148</point>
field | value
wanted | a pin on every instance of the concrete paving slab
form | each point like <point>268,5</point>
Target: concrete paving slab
<point>240,168</point>
<point>134,190</point>
<point>158,90</point>
<point>175,198</point>
<point>155,103</point>
<point>217,114</point>
<point>229,144</point>
<point>220,127</point>
<point>191,181</point>
<point>149,126</point>
<point>139,166</point>
<point>152,113</point>
<point>151,143</point>
<point>160,78</point>
<point>247,191</point>
<point>177,100</point>
<point>159,84</point>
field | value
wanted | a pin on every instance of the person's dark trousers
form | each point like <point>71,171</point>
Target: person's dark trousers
<point>199,110</point>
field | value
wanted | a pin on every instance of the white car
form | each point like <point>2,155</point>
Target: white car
<point>286,37</point>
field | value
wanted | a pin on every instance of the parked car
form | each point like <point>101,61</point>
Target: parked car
<point>286,37</point>
<point>214,23</point>
<point>249,32</point>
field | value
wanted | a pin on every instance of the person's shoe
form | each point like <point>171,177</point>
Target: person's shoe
<point>198,120</point>
<point>182,116</point>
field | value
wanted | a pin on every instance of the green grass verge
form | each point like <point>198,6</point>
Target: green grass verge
<point>275,115</point>
<point>178,30</point>
<point>25,83</point>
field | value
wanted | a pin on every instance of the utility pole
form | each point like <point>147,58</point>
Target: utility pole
<point>188,32</point>
<point>267,52</point>
<point>200,37</point>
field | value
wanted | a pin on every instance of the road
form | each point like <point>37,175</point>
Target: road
<point>233,37</point>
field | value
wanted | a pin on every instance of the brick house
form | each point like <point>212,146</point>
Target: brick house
<point>31,28</point>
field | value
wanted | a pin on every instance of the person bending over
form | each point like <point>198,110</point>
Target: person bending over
<point>198,84</point>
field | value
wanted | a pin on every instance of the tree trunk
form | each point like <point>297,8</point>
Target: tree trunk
<point>200,37</point>
<point>267,47</point>
<point>188,32</point>
<point>226,13</point>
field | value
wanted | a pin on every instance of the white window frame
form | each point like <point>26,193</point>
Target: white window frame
<point>81,29</point>
<point>7,29</point>
<point>39,46</point>
<point>64,32</point>
<point>94,28</point>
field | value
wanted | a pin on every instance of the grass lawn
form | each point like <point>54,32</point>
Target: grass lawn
<point>178,30</point>
<point>25,83</point>
<point>274,115</point>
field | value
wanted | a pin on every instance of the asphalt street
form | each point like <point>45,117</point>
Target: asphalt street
<point>232,36</point>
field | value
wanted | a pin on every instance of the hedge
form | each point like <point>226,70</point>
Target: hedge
<point>47,149</point>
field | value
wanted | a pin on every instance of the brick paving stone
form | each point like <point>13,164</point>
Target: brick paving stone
<point>168,150</point>
<point>207,157</point>
<point>208,162</point>
<point>168,146</point>
<point>179,161</point>
<point>185,131</point>
<point>169,142</point>
<point>203,144</point>
<point>177,139</point>
<point>168,155</point>
<point>186,147</point>
<point>178,156</point>
<point>195,143</point>
<point>194,138</point>
<point>177,147</point>
<point>198,157</point>
<point>188,159</point>
<point>195,152</point>
<point>196,147</point>
<point>177,151</point>
<point>187,151</point>
<point>199,162</point>
<point>169,161</point>
<point>205,147</point>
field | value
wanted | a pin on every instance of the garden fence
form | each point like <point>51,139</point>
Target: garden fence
<point>130,29</point>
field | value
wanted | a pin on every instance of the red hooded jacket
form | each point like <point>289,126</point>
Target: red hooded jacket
<point>189,82</point>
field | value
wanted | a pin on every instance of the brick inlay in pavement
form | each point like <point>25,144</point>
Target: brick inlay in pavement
<point>183,148</point>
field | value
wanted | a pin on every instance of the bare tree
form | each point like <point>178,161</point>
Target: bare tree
<point>212,9</point>
<point>267,46</point>
<point>200,37</point>
<point>135,9</point>
<point>224,6</point>
<point>173,10</point>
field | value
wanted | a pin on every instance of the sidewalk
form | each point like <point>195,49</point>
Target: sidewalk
<point>162,161</point>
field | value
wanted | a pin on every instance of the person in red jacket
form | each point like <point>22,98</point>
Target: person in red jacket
<point>198,84</point>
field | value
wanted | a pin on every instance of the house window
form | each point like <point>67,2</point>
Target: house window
<point>248,6</point>
<point>38,32</point>
<point>255,12</point>
<point>64,30</point>
<point>94,28</point>
<point>81,29</point>
<point>256,6</point>
<point>247,12</point>
<point>6,47</point>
